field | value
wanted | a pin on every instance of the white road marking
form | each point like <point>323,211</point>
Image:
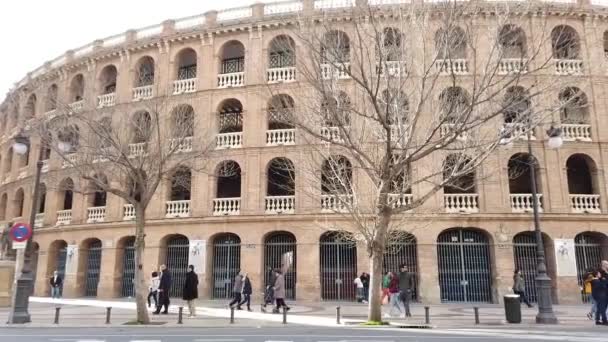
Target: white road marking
<point>219,340</point>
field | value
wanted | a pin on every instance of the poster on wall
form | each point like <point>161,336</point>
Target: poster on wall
<point>196,255</point>
<point>565,257</point>
<point>71,259</point>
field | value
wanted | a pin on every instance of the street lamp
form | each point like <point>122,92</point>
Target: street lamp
<point>543,281</point>
<point>25,280</point>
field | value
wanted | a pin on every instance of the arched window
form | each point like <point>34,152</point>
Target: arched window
<point>228,180</point>
<point>280,112</point>
<point>512,40</point>
<point>3,205</point>
<point>141,126</point>
<point>519,174</point>
<point>51,98</point>
<point>394,107</point>
<point>42,203</point>
<point>144,75</point>
<point>335,48</point>
<point>77,88</point>
<point>336,176</point>
<point>391,48</point>
<point>230,116</point>
<point>451,43</point>
<point>280,178</point>
<point>181,182</point>
<point>107,80</point>
<point>19,201</point>
<point>458,175</point>
<point>69,138</point>
<point>98,196</point>
<point>183,121</point>
<point>581,171</point>
<point>454,102</point>
<point>565,42</point>
<point>282,52</point>
<point>30,107</point>
<point>574,106</point>
<point>336,110</point>
<point>232,57</point>
<point>516,105</point>
<point>66,188</point>
<point>186,64</point>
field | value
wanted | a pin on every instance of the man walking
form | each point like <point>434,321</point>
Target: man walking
<point>163,290</point>
<point>237,288</point>
<point>269,293</point>
<point>191,290</point>
<point>247,290</point>
<point>406,285</point>
<point>56,282</point>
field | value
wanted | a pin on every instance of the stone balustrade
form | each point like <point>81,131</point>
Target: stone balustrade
<point>340,71</point>
<point>458,66</point>
<point>128,212</point>
<point>77,106</point>
<point>509,66</point>
<point>278,75</point>
<point>143,93</point>
<point>522,203</point>
<point>69,161</point>
<point>64,217</point>
<point>400,200</point>
<point>22,172</point>
<point>45,166</point>
<point>177,208</point>
<point>96,214</point>
<point>329,4</point>
<point>583,204</point>
<point>519,131</point>
<point>277,137</point>
<point>332,134</point>
<point>447,129</point>
<point>461,203</point>
<point>336,203</point>
<point>229,140</point>
<point>280,205</point>
<point>184,86</point>
<point>391,68</point>
<point>106,100</point>
<point>568,67</point>
<point>181,145</point>
<point>283,7</point>
<point>39,220</point>
<point>227,206</point>
<point>576,132</point>
<point>234,79</point>
<point>138,149</point>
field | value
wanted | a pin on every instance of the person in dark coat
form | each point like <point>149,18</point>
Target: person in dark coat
<point>191,290</point>
<point>406,286</point>
<point>519,287</point>
<point>365,280</point>
<point>269,293</point>
<point>599,291</point>
<point>56,282</point>
<point>237,289</point>
<point>246,293</point>
<point>163,290</point>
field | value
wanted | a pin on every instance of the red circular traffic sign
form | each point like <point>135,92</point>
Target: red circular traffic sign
<point>20,232</point>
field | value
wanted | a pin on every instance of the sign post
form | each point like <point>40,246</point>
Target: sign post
<point>20,233</point>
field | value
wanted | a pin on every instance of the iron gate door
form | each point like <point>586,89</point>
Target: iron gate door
<point>92,270</point>
<point>526,260</point>
<point>226,264</point>
<point>338,257</point>
<point>128,269</point>
<point>275,247</point>
<point>464,266</point>
<point>177,262</point>
<point>401,251</point>
<point>588,248</point>
<point>62,255</point>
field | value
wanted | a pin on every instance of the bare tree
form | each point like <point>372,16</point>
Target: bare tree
<point>385,93</point>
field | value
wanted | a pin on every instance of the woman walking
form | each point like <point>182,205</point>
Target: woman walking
<point>519,287</point>
<point>237,289</point>
<point>394,293</point>
<point>153,289</point>
<point>246,293</point>
<point>279,292</point>
<point>191,290</point>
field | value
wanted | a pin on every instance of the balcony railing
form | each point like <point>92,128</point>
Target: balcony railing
<point>106,100</point>
<point>138,149</point>
<point>399,134</point>
<point>69,161</point>
<point>280,204</point>
<point>181,145</point>
<point>227,206</point>
<point>235,79</point>
<point>332,134</point>
<point>447,129</point>
<point>400,200</point>
<point>508,66</point>
<point>45,166</point>
<point>64,217</point>
<point>576,132</point>
<point>177,208</point>
<point>339,71</point>
<point>519,131</point>
<point>22,172</point>
<point>184,86</point>
<point>229,140</point>
<point>276,75</point>
<point>142,93</point>
<point>277,137</point>
<point>39,220</point>
<point>77,106</point>
<point>391,68</point>
<point>585,204</point>
<point>461,203</point>
<point>336,203</point>
<point>128,212</point>
<point>96,214</point>
<point>567,67</point>
<point>522,203</point>
<point>452,66</point>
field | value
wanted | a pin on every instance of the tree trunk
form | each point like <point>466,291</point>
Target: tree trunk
<point>141,289</point>
<point>376,253</point>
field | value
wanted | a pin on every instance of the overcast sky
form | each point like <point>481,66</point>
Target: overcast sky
<point>35,31</point>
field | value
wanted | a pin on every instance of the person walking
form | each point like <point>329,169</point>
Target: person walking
<point>163,290</point>
<point>237,288</point>
<point>279,292</point>
<point>365,280</point>
<point>519,287</point>
<point>269,293</point>
<point>246,293</point>
<point>386,281</point>
<point>153,289</point>
<point>394,292</point>
<point>359,285</point>
<point>406,285</point>
<point>56,283</point>
<point>599,291</point>
<point>191,290</point>
<point>587,288</point>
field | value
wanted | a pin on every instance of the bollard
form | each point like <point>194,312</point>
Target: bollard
<point>231,315</point>
<point>427,315</point>
<point>337,315</point>
<point>284,316</point>
<point>108,313</point>
<point>476,309</point>
<point>180,315</point>
<point>57,309</point>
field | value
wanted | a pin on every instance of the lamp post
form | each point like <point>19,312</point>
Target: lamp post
<point>19,313</point>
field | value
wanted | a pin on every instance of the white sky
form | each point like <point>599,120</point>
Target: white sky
<point>35,31</point>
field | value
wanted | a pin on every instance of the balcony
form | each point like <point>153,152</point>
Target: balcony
<point>278,137</point>
<point>128,212</point>
<point>461,203</point>
<point>226,206</point>
<point>39,220</point>
<point>573,132</point>
<point>400,200</point>
<point>280,205</point>
<point>184,86</point>
<point>96,214</point>
<point>69,161</point>
<point>452,66</point>
<point>45,166</point>
<point>177,209</point>
<point>278,75</point>
<point>519,131</point>
<point>229,140</point>
<point>585,204</point>
<point>234,79</point>
<point>332,134</point>
<point>77,106</point>
<point>338,72</point>
<point>51,113</point>
<point>391,68</point>
<point>64,217</point>
<point>142,93</point>
<point>509,66</point>
<point>106,100</point>
<point>181,145</point>
<point>568,67</point>
<point>22,172</point>
<point>448,129</point>
<point>138,149</point>
<point>336,203</point>
<point>522,203</point>
<point>399,134</point>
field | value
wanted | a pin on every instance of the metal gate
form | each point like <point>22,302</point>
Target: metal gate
<point>92,270</point>
<point>338,258</point>
<point>588,247</point>
<point>226,264</point>
<point>62,256</point>
<point>275,247</point>
<point>464,266</point>
<point>526,260</point>
<point>177,262</point>
<point>128,269</point>
<point>402,250</point>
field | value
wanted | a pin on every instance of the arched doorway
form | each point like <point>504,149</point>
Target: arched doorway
<point>127,286</point>
<point>93,266</point>
<point>402,250</point>
<point>57,259</point>
<point>226,263</point>
<point>591,248</point>
<point>526,259</point>
<point>338,257</point>
<point>177,262</point>
<point>276,245</point>
<point>465,272</point>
